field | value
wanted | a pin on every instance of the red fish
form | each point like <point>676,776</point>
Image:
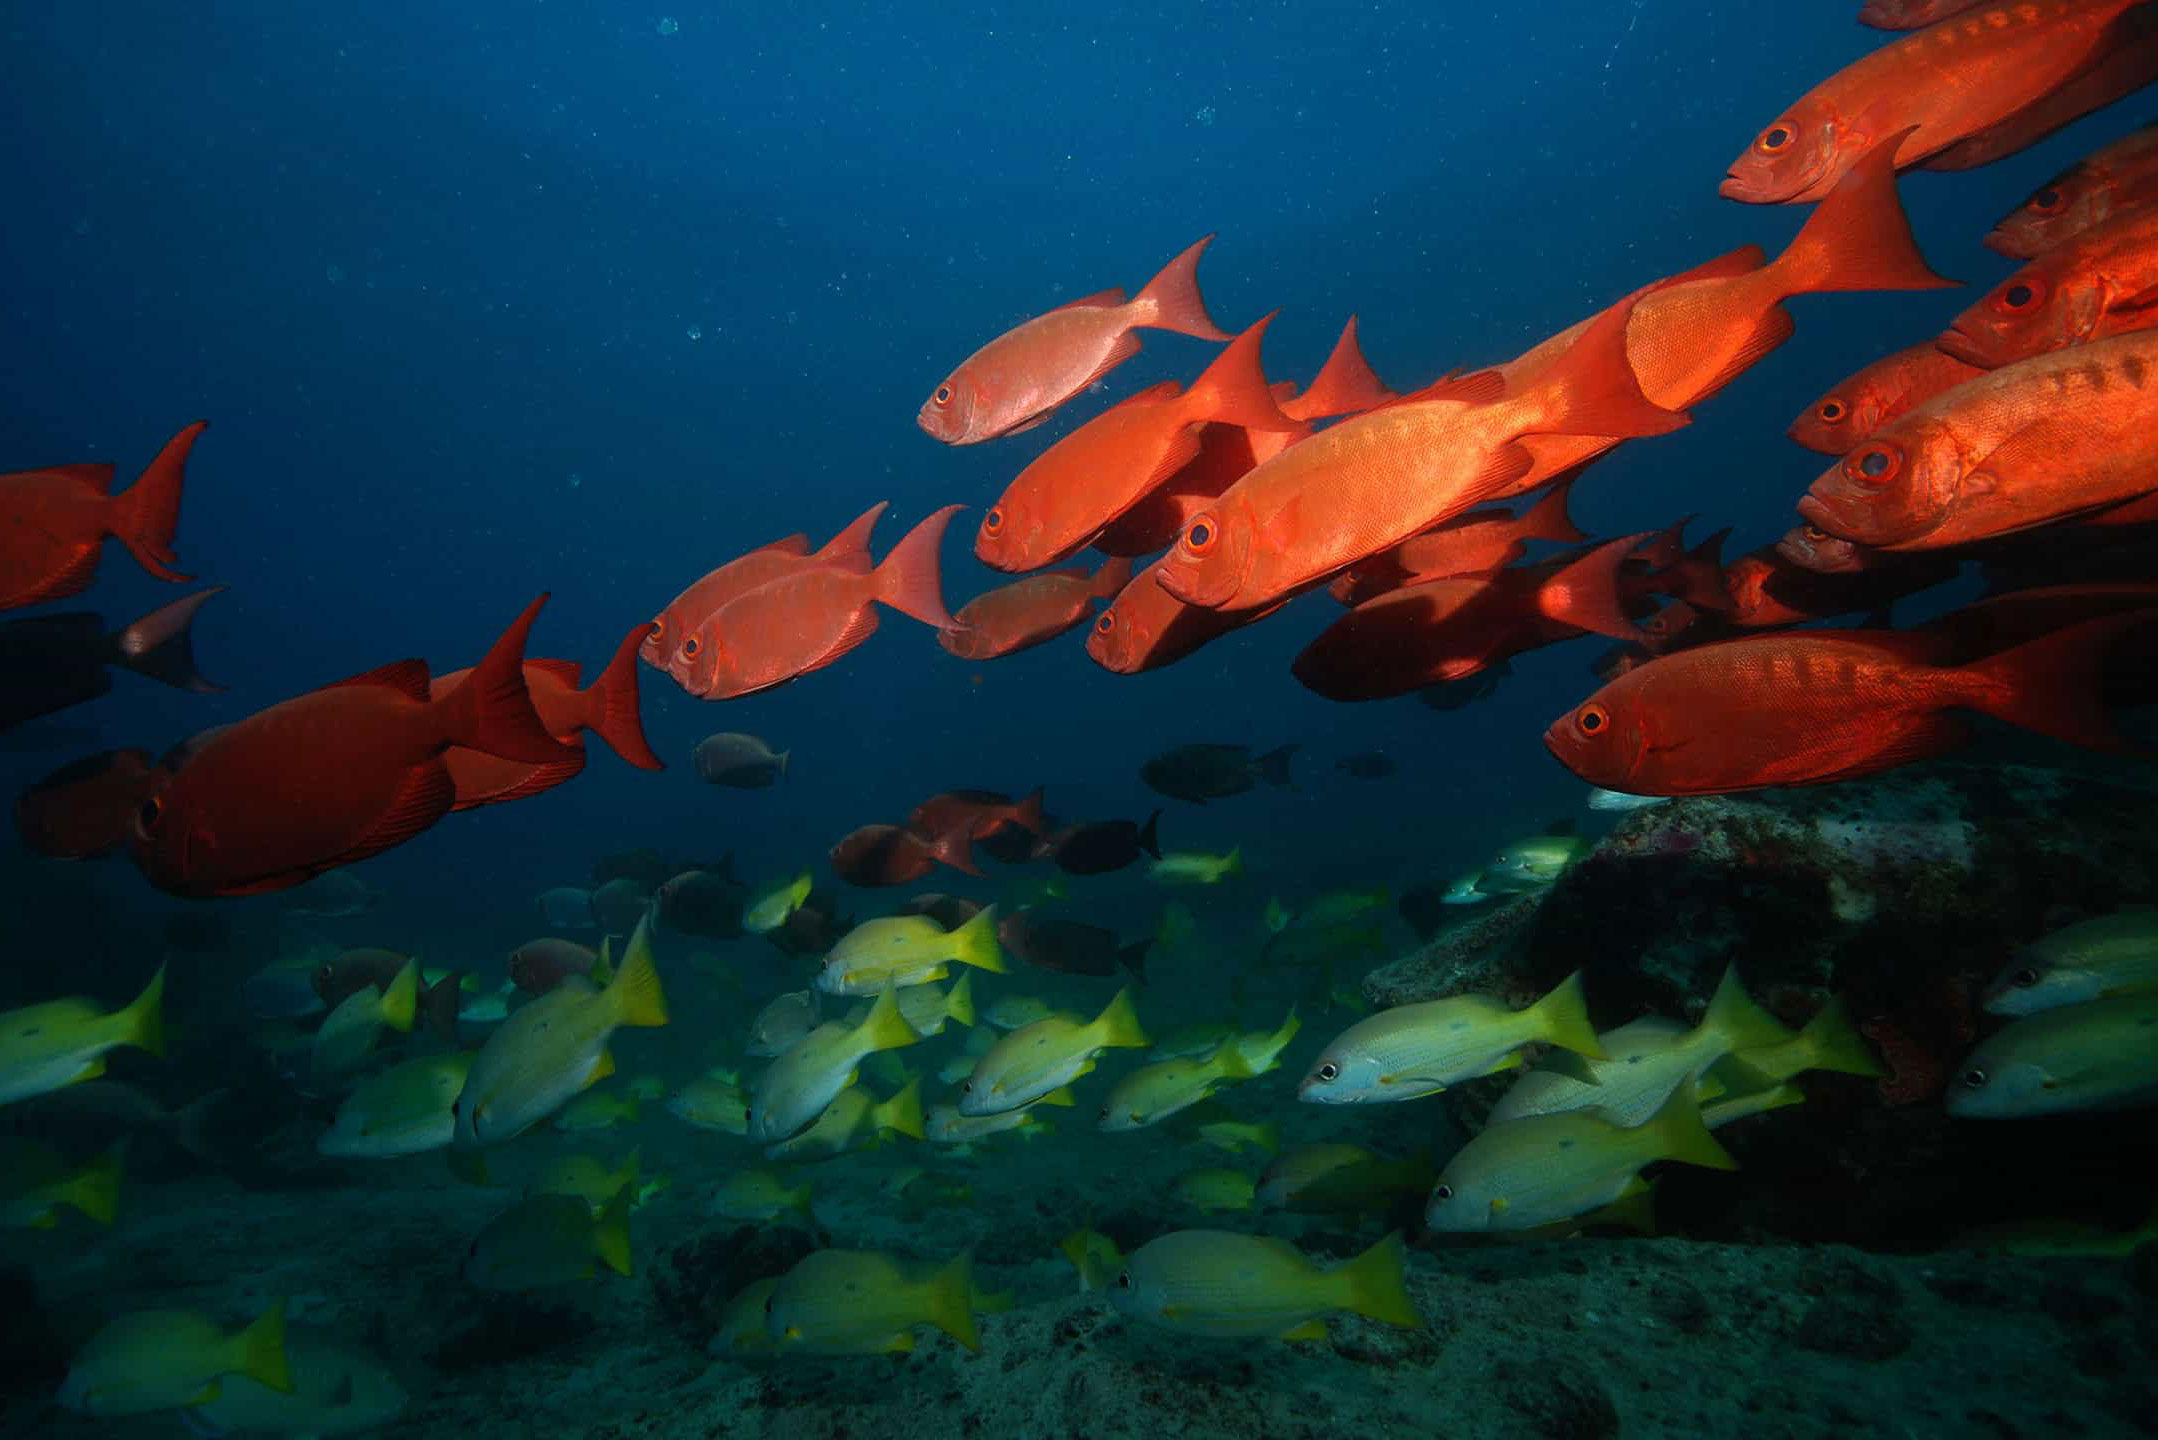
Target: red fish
<point>881,855</point>
<point>54,523</point>
<point>2020,446</point>
<point>86,808</point>
<point>1015,381</point>
<point>2126,63</point>
<point>1807,707</point>
<point>1145,627</point>
<point>980,813</point>
<point>1029,612</point>
<point>1770,587</point>
<point>333,776</point>
<point>2111,181</point>
<point>1881,392</point>
<point>1372,481</point>
<point>538,966</point>
<point>1078,486</point>
<point>806,619</point>
<point>608,709</point>
<point>1937,86</point>
<point>684,656</point>
<point>1910,14</point>
<point>1473,544</point>
<point>2103,282</point>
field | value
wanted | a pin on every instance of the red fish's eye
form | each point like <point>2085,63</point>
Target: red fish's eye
<point>1831,411</point>
<point>1656,625</point>
<point>943,395</point>
<point>1200,537</point>
<point>659,628</point>
<point>152,811</point>
<point>1814,533</point>
<point>691,647</point>
<point>2049,201</point>
<point>1105,622</point>
<point>1874,465</point>
<point>993,521</point>
<point>1773,139</point>
<point>1592,719</point>
<point>2018,296</point>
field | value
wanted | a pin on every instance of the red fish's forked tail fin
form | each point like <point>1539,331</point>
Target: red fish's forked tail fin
<point>1233,390</point>
<point>1345,385</point>
<point>909,581</point>
<point>1548,518</point>
<point>1858,237</point>
<point>1114,575</point>
<point>2054,684</point>
<point>610,705</point>
<point>1171,300</point>
<point>955,847</point>
<point>1593,388</point>
<point>147,517</point>
<point>161,646</point>
<point>1586,593</point>
<point>1028,813</point>
<point>1697,576</point>
<point>850,547</point>
<point>492,711</point>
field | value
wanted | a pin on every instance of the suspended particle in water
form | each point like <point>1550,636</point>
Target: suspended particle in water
<point>575,479</point>
<point>335,274</point>
<point>696,332</point>
<point>1204,115</point>
<point>668,25</point>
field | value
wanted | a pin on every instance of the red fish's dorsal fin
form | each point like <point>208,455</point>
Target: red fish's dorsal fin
<point>95,476</point>
<point>1171,300</point>
<point>1114,295</point>
<point>147,517</point>
<point>408,677</point>
<point>852,543</point>
<point>1743,261</point>
<point>1345,384</point>
<point>1478,387</point>
<point>612,709</point>
<point>795,544</point>
<point>492,710</point>
<point>1858,237</point>
<point>1233,390</point>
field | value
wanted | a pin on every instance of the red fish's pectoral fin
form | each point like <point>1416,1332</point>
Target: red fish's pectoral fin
<point>1123,348</point>
<point>1501,471</point>
<point>425,795</point>
<point>860,627</point>
<point>70,579</point>
<point>1025,425</point>
<point>147,517</point>
<point>1114,295</point>
<point>1171,300</point>
<point>2135,301</point>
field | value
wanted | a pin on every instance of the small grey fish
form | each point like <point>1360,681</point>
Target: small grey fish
<point>742,762</point>
<point>565,907</point>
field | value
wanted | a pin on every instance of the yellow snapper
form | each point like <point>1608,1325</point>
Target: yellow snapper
<point>1416,1050</point>
<point>1047,1055</point>
<point>589,1179</point>
<point>35,1181</point>
<point>1339,907</point>
<point>1236,1136</point>
<point>1546,1168</point>
<point>919,1192</point>
<point>776,906</point>
<point>796,1087</point>
<point>1466,891</point>
<point>865,1302</point>
<point>901,950</point>
<point>713,1102</point>
<point>743,1325</point>
<point>1012,1011</point>
<point>1196,867</point>
<point>762,1196</point>
<point>2092,960</point>
<point>947,1126</point>
<point>1202,1037</point>
<point>43,1047</point>
<point>338,1388</point>
<point>1153,1093</point>
<point>1647,1060</point>
<point>348,1033</point>
<point>1828,1042</point>
<point>782,1023</point>
<point>597,1110</point>
<point>1215,1190</point>
<point>1213,1282</point>
<point>2100,1055</point>
<point>1532,864</point>
<point>961,1065</point>
<point>855,1121</point>
<point>1337,1179</point>
<point>407,1109</point>
<point>927,1009</point>
<point>551,1240</point>
<point>556,1046</point>
<point>163,1359</point>
<point>1095,1256</point>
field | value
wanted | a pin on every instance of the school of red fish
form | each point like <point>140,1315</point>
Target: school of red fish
<point>2023,437</point>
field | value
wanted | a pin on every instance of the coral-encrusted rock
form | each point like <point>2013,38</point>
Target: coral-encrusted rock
<point>1904,894</point>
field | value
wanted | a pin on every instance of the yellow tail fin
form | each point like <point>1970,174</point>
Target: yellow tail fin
<point>1232,864</point>
<point>951,1297</point>
<point>903,1112</point>
<point>959,1001</point>
<point>1375,1285</point>
<point>634,991</point>
<point>1832,1042</point>
<point>1738,1020</point>
<point>1269,1049</point>
<point>142,1023</point>
<point>1117,1027</point>
<point>96,1191</point>
<point>401,998</point>
<point>1562,1017</point>
<point>1062,1095</point>
<point>259,1350</point>
<point>603,967</point>
<point>1679,1134</point>
<point>625,1176</point>
<point>884,1028</point>
<point>975,943</point>
<point>610,1233</point>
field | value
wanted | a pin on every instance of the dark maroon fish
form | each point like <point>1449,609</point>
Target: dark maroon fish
<point>881,855</point>
<point>1096,847</point>
<point>538,966</point>
<point>702,902</point>
<point>813,929</point>
<point>337,981</point>
<point>50,662</point>
<point>1070,947</point>
<point>950,911</point>
<point>85,809</point>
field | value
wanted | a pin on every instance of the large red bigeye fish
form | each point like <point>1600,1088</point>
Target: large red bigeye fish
<point>54,523</point>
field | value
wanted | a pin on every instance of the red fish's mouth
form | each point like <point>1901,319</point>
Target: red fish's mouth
<point>1210,587</point>
<point>1734,187</point>
<point>1960,344</point>
<point>1815,512</point>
